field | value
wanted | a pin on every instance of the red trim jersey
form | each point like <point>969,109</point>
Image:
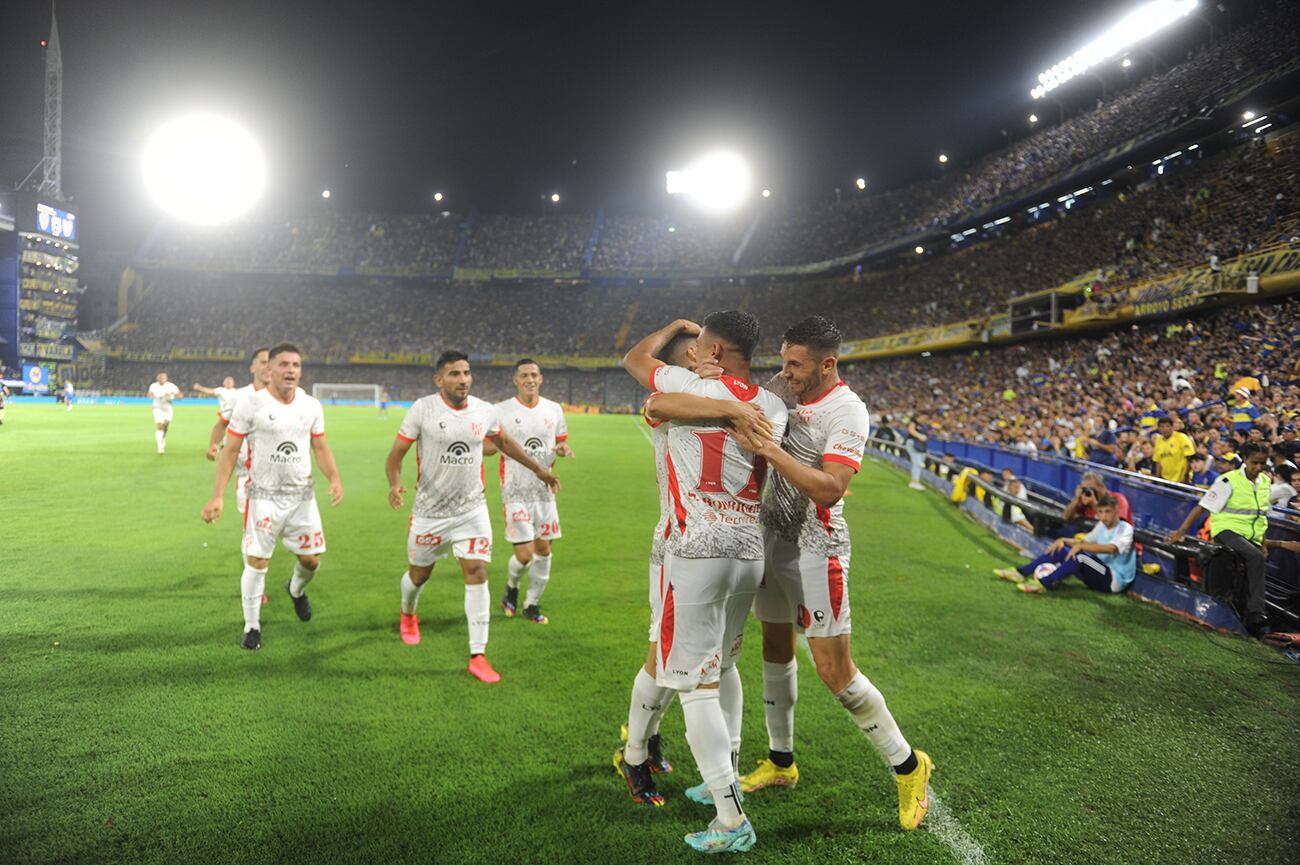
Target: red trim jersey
<point>225,411</point>
<point>278,436</point>
<point>449,453</point>
<point>715,485</point>
<point>833,428</point>
<point>659,440</point>
<point>537,430</point>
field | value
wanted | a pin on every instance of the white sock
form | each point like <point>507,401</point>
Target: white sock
<point>867,706</point>
<point>731,695</point>
<point>539,572</point>
<point>161,438</point>
<point>478,612</point>
<point>410,594</point>
<point>515,571</point>
<point>251,586</point>
<point>780,693</point>
<point>647,707</point>
<point>301,577</point>
<point>706,732</point>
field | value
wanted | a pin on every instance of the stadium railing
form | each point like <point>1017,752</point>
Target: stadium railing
<point>1195,578</point>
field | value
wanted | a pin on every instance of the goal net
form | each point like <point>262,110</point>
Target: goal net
<point>346,394</point>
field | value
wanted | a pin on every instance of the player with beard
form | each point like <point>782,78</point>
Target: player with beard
<point>284,427</point>
<point>449,515</point>
<point>713,562</point>
<point>806,578</point>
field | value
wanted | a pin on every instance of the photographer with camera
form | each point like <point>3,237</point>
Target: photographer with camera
<point>1084,505</point>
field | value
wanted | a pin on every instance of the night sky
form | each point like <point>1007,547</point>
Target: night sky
<point>385,102</point>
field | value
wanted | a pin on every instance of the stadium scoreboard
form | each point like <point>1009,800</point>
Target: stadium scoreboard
<point>39,284</point>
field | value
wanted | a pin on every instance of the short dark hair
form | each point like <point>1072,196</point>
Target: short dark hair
<point>253,356</point>
<point>736,327</point>
<point>524,361</point>
<point>1194,457</point>
<point>1107,501</point>
<point>283,348</point>
<point>666,354</point>
<point>1248,449</point>
<point>1164,418</point>
<point>816,332</point>
<point>449,356</point>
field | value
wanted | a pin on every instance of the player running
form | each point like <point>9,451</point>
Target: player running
<point>163,392</point>
<point>449,515</point>
<point>714,557</point>
<point>806,581</point>
<point>69,393</point>
<point>281,424</point>
<point>532,519</point>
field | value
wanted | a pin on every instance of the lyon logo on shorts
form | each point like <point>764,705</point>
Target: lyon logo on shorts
<point>428,539</point>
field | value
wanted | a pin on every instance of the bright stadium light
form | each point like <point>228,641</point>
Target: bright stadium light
<point>860,183</point>
<point>1248,115</point>
<point>1137,25</point>
<point>555,198</point>
<point>919,250</point>
<point>717,182</point>
<point>437,196</point>
<point>943,159</point>
<point>1033,118</point>
<point>767,193</point>
<point>324,193</point>
<point>203,168</point>
<point>1126,62</point>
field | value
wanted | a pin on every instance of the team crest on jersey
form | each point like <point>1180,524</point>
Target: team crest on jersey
<point>550,422</point>
<point>477,429</point>
<point>805,415</point>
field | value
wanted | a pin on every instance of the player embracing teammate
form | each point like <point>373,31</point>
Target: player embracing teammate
<point>713,561</point>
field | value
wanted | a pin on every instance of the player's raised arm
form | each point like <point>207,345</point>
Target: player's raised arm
<point>393,468</point>
<point>207,391</point>
<point>325,461</point>
<point>511,448</point>
<point>746,418</point>
<point>641,360</point>
<point>225,466</point>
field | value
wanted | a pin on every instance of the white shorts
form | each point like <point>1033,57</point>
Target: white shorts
<point>702,621</point>
<point>804,589</point>
<point>527,521</point>
<point>296,524</point>
<point>465,536</point>
<point>162,415</point>
<point>658,584</point>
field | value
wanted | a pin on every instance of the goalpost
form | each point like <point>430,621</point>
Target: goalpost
<point>347,394</point>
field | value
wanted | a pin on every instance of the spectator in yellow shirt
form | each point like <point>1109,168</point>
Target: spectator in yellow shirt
<point>1172,450</point>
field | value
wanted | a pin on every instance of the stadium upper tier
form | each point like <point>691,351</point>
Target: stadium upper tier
<point>774,234</point>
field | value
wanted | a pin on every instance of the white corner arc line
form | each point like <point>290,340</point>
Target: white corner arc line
<point>944,826</point>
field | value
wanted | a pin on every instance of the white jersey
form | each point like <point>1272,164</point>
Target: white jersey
<point>225,410</point>
<point>449,453</point>
<point>659,439</point>
<point>537,430</point>
<point>163,394</point>
<point>279,437</point>
<point>226,397</point>
<point>715,484</point>
<point>831,429</point>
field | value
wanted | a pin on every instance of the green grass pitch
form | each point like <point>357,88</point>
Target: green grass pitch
<point>1073,728</point>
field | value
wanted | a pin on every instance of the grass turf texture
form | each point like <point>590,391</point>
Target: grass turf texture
<point>1069,728</point>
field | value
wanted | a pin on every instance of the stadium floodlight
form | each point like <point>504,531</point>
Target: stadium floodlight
<point>860,183</point>
<point>555,198</point>
<point>1248,115</point>
<point>437,196</point>
<point>919,249</point>
<point>324,193</point>
<point>1137,25</point>
<point>943,158</point>
<point>1126,62</point>
<point>718,181</point>
<point>203,168</point>
<point>1033,118</point>
<point>767,193</point>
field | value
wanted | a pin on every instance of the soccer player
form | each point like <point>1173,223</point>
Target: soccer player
<point>383,403</point>
<point>449,515</point>
<point>642,756</point>
<point>714,559</point>
<point>163,393</point>
<point>4,395</point>
<point>225,393</point>
<point>532,520</point>
<point>806,580</point>
<point>69,393</point>
<point>285,428</point>
<point>260,370</point>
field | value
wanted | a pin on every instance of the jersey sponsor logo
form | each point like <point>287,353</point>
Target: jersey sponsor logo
<point>458,454</point>
<point>264,525</point>
<point>534,444</point>
<point>286,453</point>
<point>847,449</point>
<point>521,515</point>
<point>853,434</point>
<point>428,539</point>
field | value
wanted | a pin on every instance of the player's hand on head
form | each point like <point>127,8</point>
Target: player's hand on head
<point>685,325</point>
<point>395,496</point>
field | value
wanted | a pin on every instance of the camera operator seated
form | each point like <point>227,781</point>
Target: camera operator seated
<point>1084,505</point>
<point>1104,560</point>
<point>1238,504</point>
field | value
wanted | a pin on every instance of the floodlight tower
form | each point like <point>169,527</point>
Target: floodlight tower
<point>52,175</point>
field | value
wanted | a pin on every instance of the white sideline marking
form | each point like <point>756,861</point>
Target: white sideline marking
<point>640,425</point>
<point>938,820</point>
